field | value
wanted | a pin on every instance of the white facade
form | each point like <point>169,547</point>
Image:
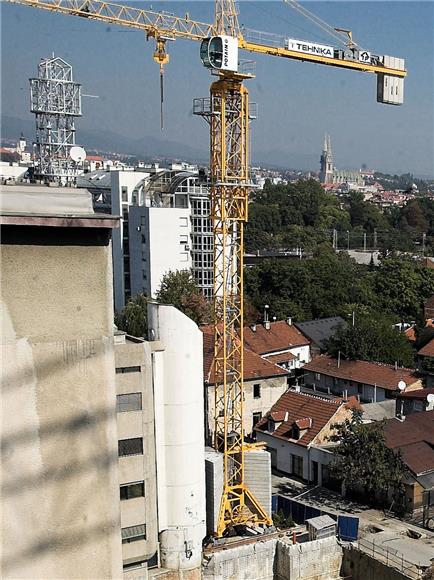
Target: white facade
<point>12,171</point>
<point>159,240</point>
<point>180,451</point>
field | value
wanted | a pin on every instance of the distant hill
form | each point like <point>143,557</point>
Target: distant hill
<point>148,146</point>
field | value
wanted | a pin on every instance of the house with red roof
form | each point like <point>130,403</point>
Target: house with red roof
<point>415,401</point>
<point>279,342</point>
<point>296,431</point>
<point>371,382</point>
<point>413,436</point>
<point>264,383</point>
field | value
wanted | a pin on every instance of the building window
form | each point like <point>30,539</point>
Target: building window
<point>317,377</point>
<point>257,391</point>
<point>124,193</point>
<point>121,370</point>
<point>133,533</point>
<point>130,447</point>
<point>132,490</point>
<point>130,402</point>
<point>256,418</point>
<point>360,389</point>
<point>297,466</point>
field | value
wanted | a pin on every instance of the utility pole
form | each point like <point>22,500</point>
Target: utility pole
<point>364,241</point>
<point>423,244</point>
<point>375,239</point>
<point>348,240</point>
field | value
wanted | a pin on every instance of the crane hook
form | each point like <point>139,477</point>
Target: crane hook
<point>161,57</point>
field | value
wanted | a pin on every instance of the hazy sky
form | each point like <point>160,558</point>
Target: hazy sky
<point>297,102</point>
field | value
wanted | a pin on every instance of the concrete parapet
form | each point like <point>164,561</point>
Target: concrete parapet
<point>317,560</point>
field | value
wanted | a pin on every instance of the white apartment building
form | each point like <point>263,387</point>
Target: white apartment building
<point>171,231</point>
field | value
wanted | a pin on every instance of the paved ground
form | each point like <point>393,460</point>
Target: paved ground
<point>375,526</point>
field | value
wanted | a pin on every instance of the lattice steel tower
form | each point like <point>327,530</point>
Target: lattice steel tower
<point>56,100</point>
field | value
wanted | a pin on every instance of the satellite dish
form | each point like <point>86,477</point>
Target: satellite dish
<point>430,398</point>
<point>77,154</point>
<point>401,385</point>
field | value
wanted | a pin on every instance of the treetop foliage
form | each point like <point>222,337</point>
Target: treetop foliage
<point>363,460</point>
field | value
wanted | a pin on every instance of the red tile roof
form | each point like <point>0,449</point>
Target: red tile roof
<point>255,367</point>
<point>301,407</point>
<point>415,438</point>
<point>428,349</point>
<point>359,371</point>
<point>280,336</point>
<point>419,394</point>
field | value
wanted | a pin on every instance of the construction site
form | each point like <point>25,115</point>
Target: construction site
<point>186,511</point>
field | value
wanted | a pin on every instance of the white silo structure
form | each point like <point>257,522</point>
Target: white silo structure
<point>179,420</point>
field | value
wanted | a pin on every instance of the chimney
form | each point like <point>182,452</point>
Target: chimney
<point>339,359</point>
<point>266,319</point>
<point>289,321</point>
<point>286,416</point>
<point>253,327</point>
<point>297,387</point>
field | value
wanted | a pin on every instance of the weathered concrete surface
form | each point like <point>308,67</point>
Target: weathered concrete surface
<point>361,566</point>
<point>252,561</point>
<point>317,560</point>
<point>60,491</point>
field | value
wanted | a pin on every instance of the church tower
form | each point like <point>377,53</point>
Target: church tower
<point>326,171</point>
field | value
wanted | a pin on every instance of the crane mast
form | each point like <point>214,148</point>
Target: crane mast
<point>228,112</point>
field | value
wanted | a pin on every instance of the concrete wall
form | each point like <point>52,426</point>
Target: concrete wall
<point>139,510</point>
<point>251,561</point>
<point>257,476</point>
<point>361,566</point>
<point>60,495</point>
<point>274,559</point>
<point>319,560</point>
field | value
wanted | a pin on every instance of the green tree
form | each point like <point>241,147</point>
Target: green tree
<point>133,317</point>
<point>180,290</point>
<point>402,286</point>
<point>372,338</point>
<point>363,461</point>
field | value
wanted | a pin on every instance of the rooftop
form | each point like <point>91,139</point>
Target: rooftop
<point>418,394</point>
<point>279,336</point>
<point>310,412</point>
<point>320,330</point>
<point>37,205</point>
<point>428,349</point>
<point>255,367</point>
<point>414,437</point>
<point>370,373</point>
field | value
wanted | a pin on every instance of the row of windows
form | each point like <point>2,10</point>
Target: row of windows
<point>203,260</point>
<point>132,490</point>
<point>204,278</point>
<point>201,225</point>
<point>130,402</point>
<point>205,243</point>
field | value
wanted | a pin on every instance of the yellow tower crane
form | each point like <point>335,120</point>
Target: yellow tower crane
<point>228,113</point>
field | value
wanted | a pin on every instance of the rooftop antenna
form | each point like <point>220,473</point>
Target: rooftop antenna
<point>55,99</point>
